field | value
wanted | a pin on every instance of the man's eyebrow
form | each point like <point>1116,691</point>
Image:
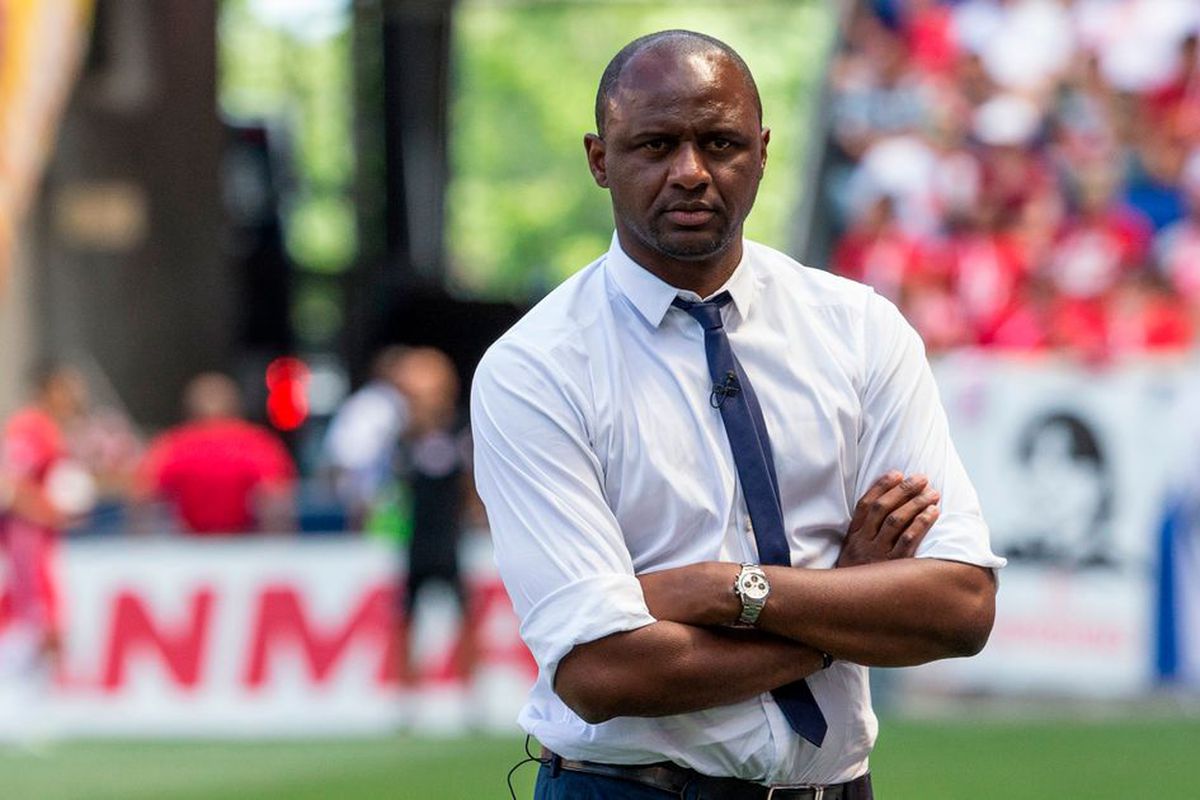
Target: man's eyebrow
<point>728,133</point>
<point>653,133</point>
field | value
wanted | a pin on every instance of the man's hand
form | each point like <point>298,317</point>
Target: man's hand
<point>890,520</point>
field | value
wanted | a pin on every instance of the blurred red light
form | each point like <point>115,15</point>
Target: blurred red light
<point>287,398</point>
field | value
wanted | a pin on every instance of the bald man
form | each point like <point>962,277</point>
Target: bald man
<point>219,473</point>
<point>720,484</point>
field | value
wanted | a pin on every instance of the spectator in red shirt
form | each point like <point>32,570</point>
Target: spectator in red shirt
<point>1026,325</point>
<point>1140,316</point>
<point>987,266</point>
<point>1105,241</point>
<point>221,474</point>
<point>1079,326</point>
<point>877,251</point>
<point>929,303</point>
<point>1145,316</point>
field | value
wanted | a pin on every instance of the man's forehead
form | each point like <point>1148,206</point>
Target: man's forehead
<point>667,63</point>
<point>666,72</point>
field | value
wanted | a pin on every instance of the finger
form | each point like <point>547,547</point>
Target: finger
<point>898,520</point>
<point>881,485</point>
<point>908,542</point>
<point>891,500</point>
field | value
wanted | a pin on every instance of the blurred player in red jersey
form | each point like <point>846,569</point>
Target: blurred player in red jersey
<point>221,474</point>
<point>41,489</point>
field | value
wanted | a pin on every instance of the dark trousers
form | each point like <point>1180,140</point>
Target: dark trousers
<point>568,785</point>
<point>578,786</point>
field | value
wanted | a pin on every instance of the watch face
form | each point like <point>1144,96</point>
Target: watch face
<point>754,586</point>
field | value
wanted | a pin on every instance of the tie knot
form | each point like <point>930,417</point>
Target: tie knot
<point>708,313</point>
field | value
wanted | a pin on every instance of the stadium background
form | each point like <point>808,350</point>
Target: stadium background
<point>198,185</point>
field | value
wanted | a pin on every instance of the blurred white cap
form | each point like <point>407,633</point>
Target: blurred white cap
<point>1007,119</point>
<point>71,488</point>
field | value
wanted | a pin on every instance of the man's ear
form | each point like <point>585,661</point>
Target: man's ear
<point>595,148</point>
<point>766,139</point>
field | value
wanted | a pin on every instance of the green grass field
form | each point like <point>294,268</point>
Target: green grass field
<point>1129,760</point>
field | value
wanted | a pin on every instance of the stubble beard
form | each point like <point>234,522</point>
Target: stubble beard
<point>686,247</point>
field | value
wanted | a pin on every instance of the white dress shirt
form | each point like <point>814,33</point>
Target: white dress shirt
<point>599,457</point>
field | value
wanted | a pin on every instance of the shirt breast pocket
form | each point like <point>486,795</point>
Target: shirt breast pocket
<point>663,476</point>
<point>815,462</point>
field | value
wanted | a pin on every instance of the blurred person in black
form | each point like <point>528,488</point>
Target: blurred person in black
<point>435,461</point>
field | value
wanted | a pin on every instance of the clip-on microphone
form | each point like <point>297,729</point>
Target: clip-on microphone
<point>728,387</point>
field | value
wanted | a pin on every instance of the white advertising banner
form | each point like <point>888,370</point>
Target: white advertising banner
<point>1072,465</point>
<point>259,637</point>
<point>297,636</point>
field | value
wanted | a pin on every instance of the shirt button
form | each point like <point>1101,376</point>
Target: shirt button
<point>749,526</point>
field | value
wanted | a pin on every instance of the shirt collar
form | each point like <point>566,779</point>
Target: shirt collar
<point>652,296</point>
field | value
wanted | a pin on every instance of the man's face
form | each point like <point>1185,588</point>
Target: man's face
<point>682,156</point>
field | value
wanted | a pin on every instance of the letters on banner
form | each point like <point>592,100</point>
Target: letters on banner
<point>260,637</point>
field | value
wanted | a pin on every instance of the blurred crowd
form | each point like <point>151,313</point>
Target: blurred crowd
<point>71,464</point>
<point>1023,174</point>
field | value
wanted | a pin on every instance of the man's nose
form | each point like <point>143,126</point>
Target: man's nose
<point>688,168</point>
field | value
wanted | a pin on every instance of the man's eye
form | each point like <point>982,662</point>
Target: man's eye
<point>656,145</point>
<point>720,144</point>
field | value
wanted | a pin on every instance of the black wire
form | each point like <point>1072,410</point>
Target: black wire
<point>528,757</point>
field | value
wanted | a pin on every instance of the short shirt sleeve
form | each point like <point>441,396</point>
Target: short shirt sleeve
<point>904,427</point>
<point>558,546</point>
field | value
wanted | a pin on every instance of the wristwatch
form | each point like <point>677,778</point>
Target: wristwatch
<point>752,588</point>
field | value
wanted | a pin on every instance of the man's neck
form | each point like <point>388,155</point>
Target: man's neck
<point>702,276</point>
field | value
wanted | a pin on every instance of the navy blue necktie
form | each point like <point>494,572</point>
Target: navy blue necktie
<point>734,397</point>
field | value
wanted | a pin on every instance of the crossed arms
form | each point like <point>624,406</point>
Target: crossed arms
<point>879,607</point>
<point>619,643</point>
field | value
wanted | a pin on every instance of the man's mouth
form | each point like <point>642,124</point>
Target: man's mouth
<point>690,215</point>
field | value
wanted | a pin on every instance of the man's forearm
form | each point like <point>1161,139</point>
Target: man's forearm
<point>671,668</point>
<point>895,613</point>
<point>892,614</point>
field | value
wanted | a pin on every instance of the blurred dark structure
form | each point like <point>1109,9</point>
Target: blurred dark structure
<point>129,269</point>
<point>815,226</point>
<point>157,239</point>
<point>254,238</point>
<point>402,64</point>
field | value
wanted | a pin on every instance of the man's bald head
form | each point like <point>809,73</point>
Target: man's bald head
<point>676,42</point>
<point>212,395</point>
